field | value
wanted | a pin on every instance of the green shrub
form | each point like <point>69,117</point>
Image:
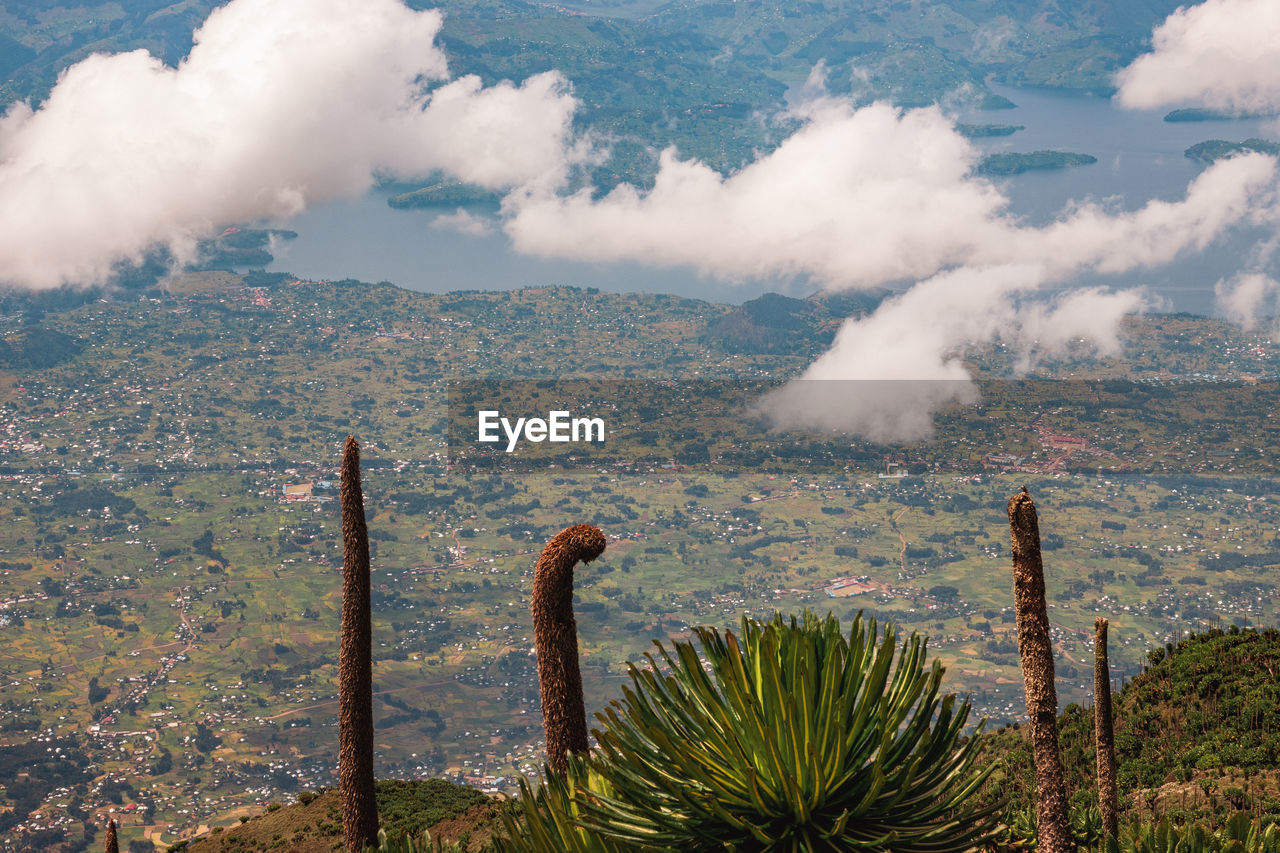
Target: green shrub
<point>1240,834</point>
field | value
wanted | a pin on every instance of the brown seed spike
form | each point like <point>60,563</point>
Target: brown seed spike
<point>1104,732</point>
<point>1036,651</point>
<point>355,667</point>
<point>555,632</point>
<point>113,845</point>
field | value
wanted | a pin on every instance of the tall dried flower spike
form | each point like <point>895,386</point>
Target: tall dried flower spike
<point>355,667</point>
<point>1036,650</point>
<point>555,633</point>
<point>1104,733</point>
<point>113,844</point>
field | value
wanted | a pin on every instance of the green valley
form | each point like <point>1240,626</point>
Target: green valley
<point>170,554</point>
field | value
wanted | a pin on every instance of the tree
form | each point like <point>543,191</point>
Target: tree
<point>1036,651</point>
<point>944,593</point>
<point>355,667</point>
<point>1104,732</point>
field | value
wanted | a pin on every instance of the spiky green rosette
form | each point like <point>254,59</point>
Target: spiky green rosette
<point>789,736</point>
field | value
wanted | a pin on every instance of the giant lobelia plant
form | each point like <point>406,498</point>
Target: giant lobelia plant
<point>1240,834</point>
<point>788,736</point>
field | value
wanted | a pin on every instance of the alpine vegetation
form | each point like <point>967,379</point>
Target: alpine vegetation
<point>355,667</point>
<point>1036,650</point>
<point>1104,732</point>
<point>785,736</point>
<point>555,633</point>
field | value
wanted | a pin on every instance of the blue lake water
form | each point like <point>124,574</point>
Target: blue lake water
<point>1140,157</point>
<point>366,239</point>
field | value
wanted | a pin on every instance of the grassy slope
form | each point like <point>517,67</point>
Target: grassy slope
<point>314,823</point>
<point>1197,734</point>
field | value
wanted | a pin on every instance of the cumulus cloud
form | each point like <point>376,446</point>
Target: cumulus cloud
<point>863,197</point>
<point>853,198</point>
<point>1222,53</point>
<point>1089,316</point>
<point>1247,298</point>
<point>886,374</point>
<point>902,363</point>
<point>991,39</point>
<point>280,104</point>
<point>860,197</point>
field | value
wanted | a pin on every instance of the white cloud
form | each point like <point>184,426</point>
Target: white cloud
<point>464,222</point>
<point>886,374</point>
<point>1090,315</point>
<point>860,197</point>
<point>281,103</point>
<point>1246,298</point>
<point>1223,54</point>
<point>990,39</point>
<point>864,197</point>
<point>853,198</point>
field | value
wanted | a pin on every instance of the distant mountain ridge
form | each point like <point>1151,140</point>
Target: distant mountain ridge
<point>779,324</point>
<point>915,51</point>
<point>696,75</point>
